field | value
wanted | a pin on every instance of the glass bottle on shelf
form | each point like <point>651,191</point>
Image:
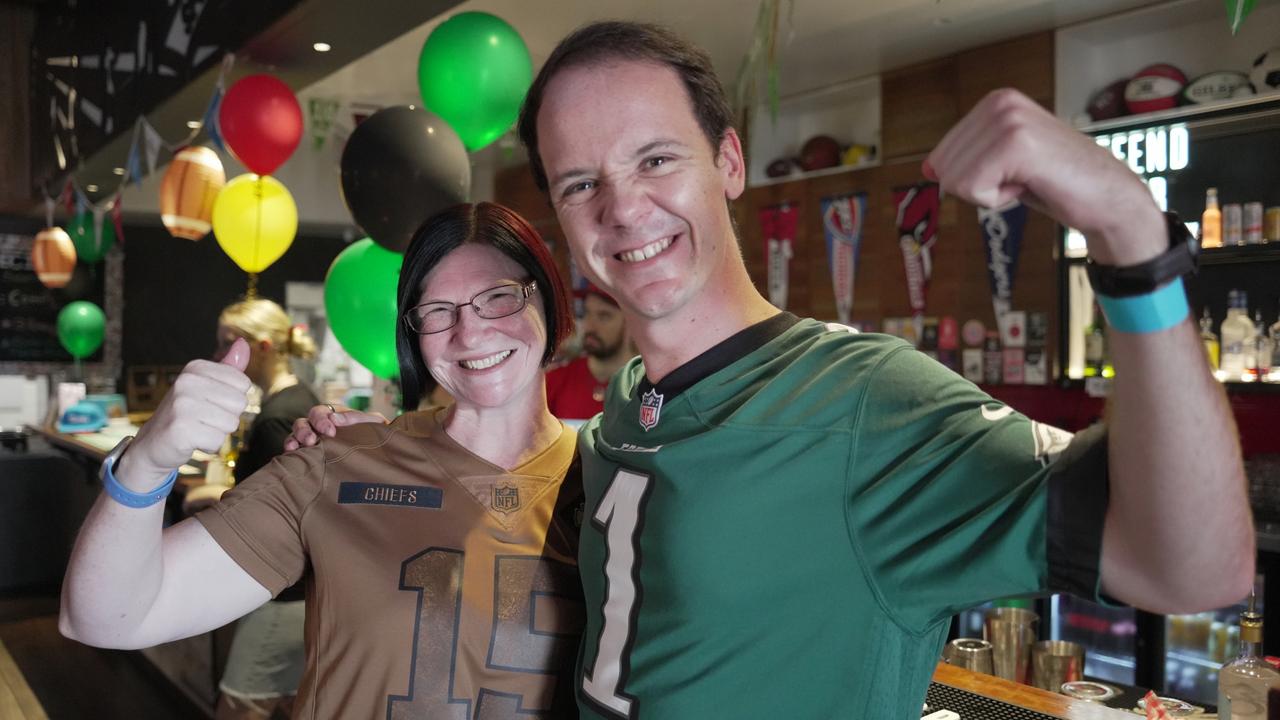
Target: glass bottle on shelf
<point>1243,682</point>
<point>1210,339</point>
<point>1211,221</point>
<point>1263,349</point>
<point>1237,336</point>
<point>1095,345</point>
<point>1274,336</point>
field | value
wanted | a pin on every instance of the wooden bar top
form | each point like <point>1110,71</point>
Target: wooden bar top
<point>1025,696</point>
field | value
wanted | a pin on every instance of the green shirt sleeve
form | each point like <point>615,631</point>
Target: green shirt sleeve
<point>949,496</point>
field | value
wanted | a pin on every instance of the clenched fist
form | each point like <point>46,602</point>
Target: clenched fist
<point>200,410</point>
<point>1009,148</point>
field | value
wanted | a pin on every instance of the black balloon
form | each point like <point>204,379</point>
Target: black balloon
<point>399,167</point>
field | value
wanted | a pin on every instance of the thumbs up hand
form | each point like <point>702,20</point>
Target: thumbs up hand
<point>200,410</point>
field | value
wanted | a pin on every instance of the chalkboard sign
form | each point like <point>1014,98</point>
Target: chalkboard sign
<point>29,310</point>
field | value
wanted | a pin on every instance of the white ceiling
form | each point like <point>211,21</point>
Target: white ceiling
<point>825,41</point>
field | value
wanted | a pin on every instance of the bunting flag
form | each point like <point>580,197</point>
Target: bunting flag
<point>918,207</point>
<point>117,219</point>
<point>133,165</point>
<point>210,121</point>
<point>842,217</point>
<point>778,226</point>
<point>98,214</point>
<point>151,144</point>
<point>68,197</point>
<point>1002,237</point>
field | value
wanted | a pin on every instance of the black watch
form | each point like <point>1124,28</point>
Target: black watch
<point>1182,257</point>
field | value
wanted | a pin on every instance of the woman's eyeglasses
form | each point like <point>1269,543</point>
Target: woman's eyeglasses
<point>497,302</point>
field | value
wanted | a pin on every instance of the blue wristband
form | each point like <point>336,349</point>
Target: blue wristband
<point>129,498</point>
<point>1158,310</point>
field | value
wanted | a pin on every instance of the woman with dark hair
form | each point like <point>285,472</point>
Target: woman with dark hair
<point>438,551</point>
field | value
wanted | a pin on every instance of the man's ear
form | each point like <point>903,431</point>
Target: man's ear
<point>731,164</point>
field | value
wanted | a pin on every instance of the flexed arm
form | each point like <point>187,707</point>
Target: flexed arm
<point>131,584</point>
<point>1178,535</point>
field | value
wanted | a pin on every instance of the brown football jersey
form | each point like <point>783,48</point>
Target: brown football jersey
<point>438,585</point>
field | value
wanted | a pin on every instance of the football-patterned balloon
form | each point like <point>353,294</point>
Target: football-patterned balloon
<point>1265,74</point>
<point>190,185</point>
<point>54,257</point>
<point>1219,85</point>
<point>1156,87</point>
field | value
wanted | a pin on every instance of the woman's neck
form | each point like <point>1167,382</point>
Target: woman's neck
<point>508,436</point>
<point>279,379</point>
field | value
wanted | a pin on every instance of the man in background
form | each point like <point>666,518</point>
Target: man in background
<point>575,391</point>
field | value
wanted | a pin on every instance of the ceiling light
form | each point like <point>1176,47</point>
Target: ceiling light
<point>91,188</point>
<point>118,171</point>
<point>321,47</point>
<point>194,124</point>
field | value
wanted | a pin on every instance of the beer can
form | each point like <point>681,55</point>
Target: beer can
<point>1271,229</point>
<point>1253,223</point>
<point>1232,224</point>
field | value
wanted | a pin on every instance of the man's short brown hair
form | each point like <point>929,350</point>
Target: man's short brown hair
<point>602,42</point>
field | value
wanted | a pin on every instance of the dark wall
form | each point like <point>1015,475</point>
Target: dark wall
<point>174,290</point>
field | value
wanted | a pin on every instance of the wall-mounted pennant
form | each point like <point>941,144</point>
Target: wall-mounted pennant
<point>918,207</point>
<point>778,227</point>
<point>842,217</point>
<point>1002,237</point>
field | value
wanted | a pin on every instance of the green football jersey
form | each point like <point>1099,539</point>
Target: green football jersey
<point>783,527</point>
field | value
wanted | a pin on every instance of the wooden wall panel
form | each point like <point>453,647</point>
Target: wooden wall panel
<point>959,286</point>
<point>918,105</point>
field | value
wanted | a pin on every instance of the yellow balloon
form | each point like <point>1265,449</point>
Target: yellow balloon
<point>255,221</point>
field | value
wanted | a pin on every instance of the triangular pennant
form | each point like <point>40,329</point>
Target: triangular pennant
<point>98,214</point>
<point>1237,11</point>
<point>133,165</point>
<point>117,219</point>
<point>211,121</point>
<point>151,144</point>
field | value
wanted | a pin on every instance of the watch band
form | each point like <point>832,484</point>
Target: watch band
<point>1132,280</point>
<point>124,495</point>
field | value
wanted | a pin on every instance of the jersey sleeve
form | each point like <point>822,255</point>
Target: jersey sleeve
<point>259,521</point>
<point>956,499</point>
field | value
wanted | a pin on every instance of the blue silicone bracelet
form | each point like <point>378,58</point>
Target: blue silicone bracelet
<point>127,497</point>
<point>1158,310</point>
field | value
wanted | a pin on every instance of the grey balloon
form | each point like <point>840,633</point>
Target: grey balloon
<point>399,167</point>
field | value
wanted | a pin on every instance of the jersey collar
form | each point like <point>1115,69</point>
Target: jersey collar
<point>719,357</point>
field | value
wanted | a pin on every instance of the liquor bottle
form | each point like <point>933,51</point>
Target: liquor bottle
<point>1095,345</point>
<point>1211,221</point>
<point>1274,335</point>
<point>1243,683</point>
<point>1210,340</point>
<point>1237,335</point>
<point>1263,349</point>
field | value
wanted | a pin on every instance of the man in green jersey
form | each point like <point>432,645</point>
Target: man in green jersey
<point>784,514</point>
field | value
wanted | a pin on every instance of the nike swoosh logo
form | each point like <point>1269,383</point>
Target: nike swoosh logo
<point>995,414</point>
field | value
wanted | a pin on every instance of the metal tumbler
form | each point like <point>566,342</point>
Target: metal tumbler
<point>970,654</point>
<point>1011,631</point>
<point>1054,662</point>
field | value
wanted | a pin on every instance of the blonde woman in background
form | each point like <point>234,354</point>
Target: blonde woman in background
<point>266,659</point>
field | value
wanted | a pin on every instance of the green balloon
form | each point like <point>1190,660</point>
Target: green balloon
<point>474,71</point>
<point>88,249</point>
<point>80,328</point>
<point>360,300</point>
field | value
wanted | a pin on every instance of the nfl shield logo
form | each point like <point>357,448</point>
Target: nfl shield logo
<point>650,408</point>
<point>506,498</point>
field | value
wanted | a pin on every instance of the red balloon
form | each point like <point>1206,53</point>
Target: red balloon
<point>261,122</point>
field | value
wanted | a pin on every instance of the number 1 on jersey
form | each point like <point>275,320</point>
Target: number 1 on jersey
<point>618,517</point>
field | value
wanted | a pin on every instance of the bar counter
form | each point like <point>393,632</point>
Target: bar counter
<point>1022,696</point>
